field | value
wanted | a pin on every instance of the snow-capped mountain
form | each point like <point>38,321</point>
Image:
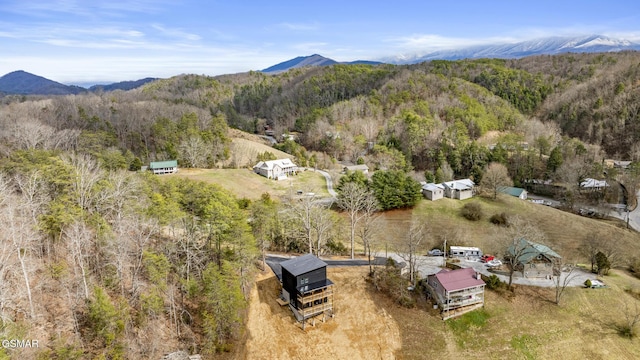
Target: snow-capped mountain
<point>547,46</point>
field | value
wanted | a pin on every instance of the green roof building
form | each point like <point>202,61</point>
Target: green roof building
<point>164,167</point>
<point>514,191</point>
<point>533,259</point>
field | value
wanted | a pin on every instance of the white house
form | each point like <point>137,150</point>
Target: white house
<point>593,184</point>
<point>164,167</point>
<point>432,191</point>
<point>275,169</point>
<point>459,189</point>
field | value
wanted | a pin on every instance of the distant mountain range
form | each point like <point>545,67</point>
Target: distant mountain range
<point>24,83</point>
<point>543,46</point>
<point>123,85</point>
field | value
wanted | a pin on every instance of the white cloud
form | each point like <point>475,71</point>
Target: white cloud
<point>315,47</point>
<point>433,42</point>
<point>299,26</point>
<point>176,33</point>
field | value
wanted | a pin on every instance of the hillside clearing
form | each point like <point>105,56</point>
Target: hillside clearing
<point>368,325</point>
<point>359,330</point>
<point>244,183</point>
<point>565,232</point>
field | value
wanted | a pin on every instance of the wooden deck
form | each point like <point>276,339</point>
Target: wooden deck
<point>282,302</point>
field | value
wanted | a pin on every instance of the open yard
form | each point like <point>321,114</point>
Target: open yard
<point>244,183</point>
<point>368,325</point>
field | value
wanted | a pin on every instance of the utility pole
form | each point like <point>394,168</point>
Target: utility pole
<point>444,258</point>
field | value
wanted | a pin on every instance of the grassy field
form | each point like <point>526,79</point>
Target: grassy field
<point>565,232</point>
<point>526,326</point>
<point>244,183</point>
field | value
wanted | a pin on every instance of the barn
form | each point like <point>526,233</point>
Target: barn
<point>306,288</point>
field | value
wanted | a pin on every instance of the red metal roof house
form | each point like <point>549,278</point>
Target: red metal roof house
<point>456,291</point>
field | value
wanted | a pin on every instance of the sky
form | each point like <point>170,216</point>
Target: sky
<point>88,42</point>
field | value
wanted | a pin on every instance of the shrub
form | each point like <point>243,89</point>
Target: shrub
<point>494,283</point>
<point>472,211</point>
<point>499,219</point>
<point>587,283</point>
<point>336,247</point>
<point>390,282</point>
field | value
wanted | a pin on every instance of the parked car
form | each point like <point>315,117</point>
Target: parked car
<point>486,258</point>
<point>494,263</point>
<point>435,252</point>
<point>596,284</point>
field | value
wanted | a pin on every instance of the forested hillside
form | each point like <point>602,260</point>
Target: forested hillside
<point>418,110</point>
<point>103,261</point>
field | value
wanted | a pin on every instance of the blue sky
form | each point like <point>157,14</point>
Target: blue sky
<point>89,42</point>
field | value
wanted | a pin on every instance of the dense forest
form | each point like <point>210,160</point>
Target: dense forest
<point>103,261</point>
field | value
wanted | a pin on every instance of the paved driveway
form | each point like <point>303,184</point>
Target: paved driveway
<point>429,265</point>
<point>578,276</point>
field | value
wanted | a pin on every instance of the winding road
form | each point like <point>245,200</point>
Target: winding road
<point>328,179</point>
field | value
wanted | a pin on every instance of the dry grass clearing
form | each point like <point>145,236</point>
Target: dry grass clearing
<point>244,152</point>
<point>359,330</point>
<point>369,326</point>
<point>565,232</point>
<point>244,183</point>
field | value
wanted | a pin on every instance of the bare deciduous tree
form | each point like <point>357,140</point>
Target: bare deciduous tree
<point>79,238</point>
<point>512,245</point>
<point>21,233</point>
<point>631,319</point>
<point>370,226</point>
<point>409,249</point>
<point>495,177</point>
<point>322,222</point>
<point>86,175</point>
<point>358,202</point>
<point>564,278</point>
<point>300,211</point>
<point>193,151</point>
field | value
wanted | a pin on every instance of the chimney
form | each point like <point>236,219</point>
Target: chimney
<point>478,276</point>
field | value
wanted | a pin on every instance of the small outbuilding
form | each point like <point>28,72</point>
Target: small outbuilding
<point>520,193</point>
<point>432,191</point>
<point>306,288</point>
<point>164,167</point>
